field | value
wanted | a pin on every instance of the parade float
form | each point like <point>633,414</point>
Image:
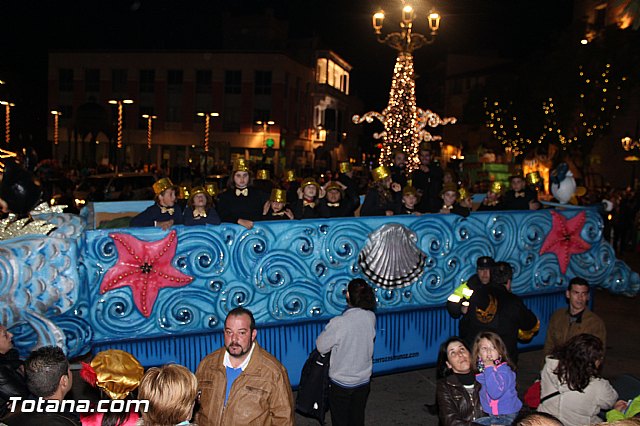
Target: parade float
<point>164,295</point>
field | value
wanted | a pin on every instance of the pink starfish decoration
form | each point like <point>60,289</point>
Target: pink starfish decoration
<point>564,239</point>
<point>145,267</point>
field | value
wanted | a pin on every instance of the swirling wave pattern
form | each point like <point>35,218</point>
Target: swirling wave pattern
<point>284,271</point>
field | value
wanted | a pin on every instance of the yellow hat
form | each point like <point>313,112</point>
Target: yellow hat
<point>212,188</point>
<point>162,185</point>
<point>278,195</point>
<point>463,193</point>
<point>409,190</point>
<point>449,186</point>
<point>263,174</point>
<point>240,165</point>
<point>496,187</point>
<point>345,167</point>
<point>380,173</point>
<point>198,190</point>
<point>183,192</point>
<point>333,185</point>
<point>309,181</point>
<point>533,178</point>
<point>290,175</point>
<point>116,372</point>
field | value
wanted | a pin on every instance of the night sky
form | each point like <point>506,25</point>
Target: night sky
<point>513,29</point>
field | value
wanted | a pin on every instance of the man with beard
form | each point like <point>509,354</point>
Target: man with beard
<point>242,383</point>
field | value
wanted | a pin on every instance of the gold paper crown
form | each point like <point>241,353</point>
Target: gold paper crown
<point>240,165</point>
<point>263,174</point>
<point>449,186</point>
<point>117,372</point>
<point>533,178</point>
<point>309,181</point>
<point>463,193</point>
<point>380,173</point>
<point>409,190</point>
<point>290,175</point>
<point>496,187</point>
<point>334,186</point>
<point>212,188</point>
<point>278,195</point>
<point>162,185</point>
<point>183,192</point>
<point>345,167</point>
<point>198,190</point>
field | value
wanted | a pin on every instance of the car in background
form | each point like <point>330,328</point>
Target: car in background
<point>114,187</point>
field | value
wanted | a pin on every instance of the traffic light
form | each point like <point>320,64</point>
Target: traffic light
<point>270,143</point>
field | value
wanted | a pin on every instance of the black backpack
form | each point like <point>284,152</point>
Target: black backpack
<point>313,392</point>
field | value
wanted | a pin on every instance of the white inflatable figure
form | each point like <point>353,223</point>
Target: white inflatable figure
<point>563,187</point>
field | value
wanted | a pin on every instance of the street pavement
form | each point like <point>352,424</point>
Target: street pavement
<point>398,399</point>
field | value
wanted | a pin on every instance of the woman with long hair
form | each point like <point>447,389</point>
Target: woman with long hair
<point>571,382</point>
<point>457,391</point>
<point>349,337</point>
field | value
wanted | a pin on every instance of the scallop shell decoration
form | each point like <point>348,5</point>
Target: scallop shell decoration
<point>391,257</point>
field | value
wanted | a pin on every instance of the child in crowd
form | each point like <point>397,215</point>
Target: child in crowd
<point>200,210</point>
<point>492,201</point>
<point>241,203</point>
<point>306,206</point>
<point>276,209</point>
<point>449,196</point>
<point>165,212</point>
<point>117,374</point>
<point>496,373</point>
<point>383,196</point>
<point>409,200</point>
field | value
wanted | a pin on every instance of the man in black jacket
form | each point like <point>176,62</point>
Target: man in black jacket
<point>494,308</point>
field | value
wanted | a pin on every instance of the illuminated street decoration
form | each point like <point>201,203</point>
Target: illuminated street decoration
<point>404,122</point>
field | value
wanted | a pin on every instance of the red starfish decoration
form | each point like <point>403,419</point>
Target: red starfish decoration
<point>145,267</point>
<point>564,239</point>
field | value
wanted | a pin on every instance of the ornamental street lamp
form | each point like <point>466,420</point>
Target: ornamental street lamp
<point>56,121</point>
<point>119,103</point>
<point>207,128</point>
<point>7,120</point>
<point>150,119</point>
<point>404,123</point>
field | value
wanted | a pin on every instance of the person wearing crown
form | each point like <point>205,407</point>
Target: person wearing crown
<point>276,208</point>
<point>492,201</point>
<point>306,206</point>
<point>200,210</point>
<point>241,203</point>
<point>164,213</point>
<point>383,196</point>
<point>336,202</point>
<point>520,197</point>
<point>410,200</point>
<point>450,204</point>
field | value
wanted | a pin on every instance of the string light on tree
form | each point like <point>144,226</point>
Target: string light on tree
<point>404,123</point>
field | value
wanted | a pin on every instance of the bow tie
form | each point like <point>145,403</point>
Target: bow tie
<point>447,207</point>
<point>277,213</point>
<point>492,203</point>
<point>169,210</point>
<point>519,194</point>
<point>197,214</point>
<point>333,204</point>
<point>309,204</point>
<point>244,192</point>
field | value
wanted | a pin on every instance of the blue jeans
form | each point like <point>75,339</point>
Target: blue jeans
<point>500,419</point>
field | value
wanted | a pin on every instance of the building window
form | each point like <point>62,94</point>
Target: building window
<point>321,71</point>
<point>203,81</point>
<point>232,82</point>
<point>173,114</point>
<point>231,119</point>
<point>147,81</point>
<point>262,83</point>
<point>119,81</point>
<point>92,80</point>
<point>65,84</point>
<point>329,72</point>
<point>174,77</point>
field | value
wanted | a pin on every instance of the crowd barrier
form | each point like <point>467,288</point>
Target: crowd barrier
<point>92,289</point>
